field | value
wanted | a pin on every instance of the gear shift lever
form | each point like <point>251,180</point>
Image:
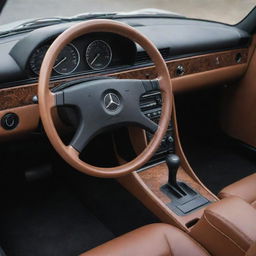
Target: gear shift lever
<point>173,163</point>
<point>184,199</point>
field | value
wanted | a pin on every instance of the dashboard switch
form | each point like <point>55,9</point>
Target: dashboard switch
<point>238,57</point>
<point>9,121</point>
<point>35,99</point>
<point>180,70</point>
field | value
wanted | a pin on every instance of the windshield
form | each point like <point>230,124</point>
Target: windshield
<point>227,11</point>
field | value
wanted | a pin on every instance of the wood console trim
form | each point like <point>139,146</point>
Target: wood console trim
<point>157,176</point>
<point>199,71</point>
<point>145,185</point>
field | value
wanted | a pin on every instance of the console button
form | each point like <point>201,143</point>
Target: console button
<point>9,121</point>
<point>169,139</point>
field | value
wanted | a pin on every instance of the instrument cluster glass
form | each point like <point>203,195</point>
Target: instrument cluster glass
<point>98,55</point>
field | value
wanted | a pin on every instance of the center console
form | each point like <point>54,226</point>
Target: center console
<point>151,105</point>
<point>166,186</point>
<point>184,199</point>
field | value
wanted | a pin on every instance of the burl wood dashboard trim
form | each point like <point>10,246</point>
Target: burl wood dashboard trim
<point>199,71</point>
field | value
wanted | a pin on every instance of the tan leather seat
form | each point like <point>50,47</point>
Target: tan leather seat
<point>151,240</point>
<point>252,250</point>
<point>244,188</point>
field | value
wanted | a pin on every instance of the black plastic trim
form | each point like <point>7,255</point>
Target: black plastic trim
<point>183,205</point>
<point>248,23</point>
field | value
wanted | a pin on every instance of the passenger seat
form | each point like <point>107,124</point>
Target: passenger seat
<point>244,188</point>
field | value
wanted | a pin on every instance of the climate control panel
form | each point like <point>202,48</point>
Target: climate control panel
<point>151,106</point>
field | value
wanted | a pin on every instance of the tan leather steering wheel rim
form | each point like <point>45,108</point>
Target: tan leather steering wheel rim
<point>47,98</point>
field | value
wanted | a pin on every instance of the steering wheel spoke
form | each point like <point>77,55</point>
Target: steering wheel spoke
<point>81,138</point>
<point>151,85</point>
<point>59,98</point>
<point>148,124</point>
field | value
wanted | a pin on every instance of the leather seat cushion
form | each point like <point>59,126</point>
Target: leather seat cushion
<point>244,188</point>
<point>151,240</point>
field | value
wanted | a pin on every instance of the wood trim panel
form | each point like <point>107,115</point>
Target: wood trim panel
<point>22,95</point>
<point>28,121</point>
<point>17,96</point>
<point>208,62</point>
<point>157,176</point>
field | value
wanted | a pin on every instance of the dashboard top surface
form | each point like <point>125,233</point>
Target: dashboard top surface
<point>175,38</point>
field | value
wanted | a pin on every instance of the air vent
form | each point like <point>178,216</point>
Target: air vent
<point>143,57</point>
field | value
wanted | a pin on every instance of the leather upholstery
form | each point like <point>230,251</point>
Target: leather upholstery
<point>244,188</point>
<point>151,240</point>
<point>252,250</point>
<point>227,227</point>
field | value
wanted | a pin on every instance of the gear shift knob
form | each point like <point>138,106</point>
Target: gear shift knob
<point>173,163</point>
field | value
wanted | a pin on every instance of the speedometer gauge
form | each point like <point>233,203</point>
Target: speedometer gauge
<point>67,61</point>
<point>98,55</point>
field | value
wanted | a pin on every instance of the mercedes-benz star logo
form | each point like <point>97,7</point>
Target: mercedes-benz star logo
<point>111,102</point>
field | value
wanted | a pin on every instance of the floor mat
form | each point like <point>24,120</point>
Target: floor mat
<point>49,223</point>
<point>218,161</point>
<point>114,206</point>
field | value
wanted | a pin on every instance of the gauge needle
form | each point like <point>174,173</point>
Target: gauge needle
<point>96,57</point>
<point>60,62</point>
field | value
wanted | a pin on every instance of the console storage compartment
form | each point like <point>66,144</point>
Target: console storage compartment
<point>227,227</point>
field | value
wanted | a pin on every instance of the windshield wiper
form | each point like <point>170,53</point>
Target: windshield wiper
<point>44,22</point>
<point>57,20</point>
<point>39,23</point>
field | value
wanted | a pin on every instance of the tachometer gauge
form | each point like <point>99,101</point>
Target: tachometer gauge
<point>37,58</point>
<point>98,55</point>
<point>67,61</point>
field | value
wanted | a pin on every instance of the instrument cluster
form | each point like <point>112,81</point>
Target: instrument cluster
<point>86,54</point>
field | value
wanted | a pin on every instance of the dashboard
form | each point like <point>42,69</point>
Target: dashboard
<point>22,54</point>
<point>197,53</point>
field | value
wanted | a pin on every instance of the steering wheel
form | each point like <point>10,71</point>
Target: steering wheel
<point>104,103</point>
